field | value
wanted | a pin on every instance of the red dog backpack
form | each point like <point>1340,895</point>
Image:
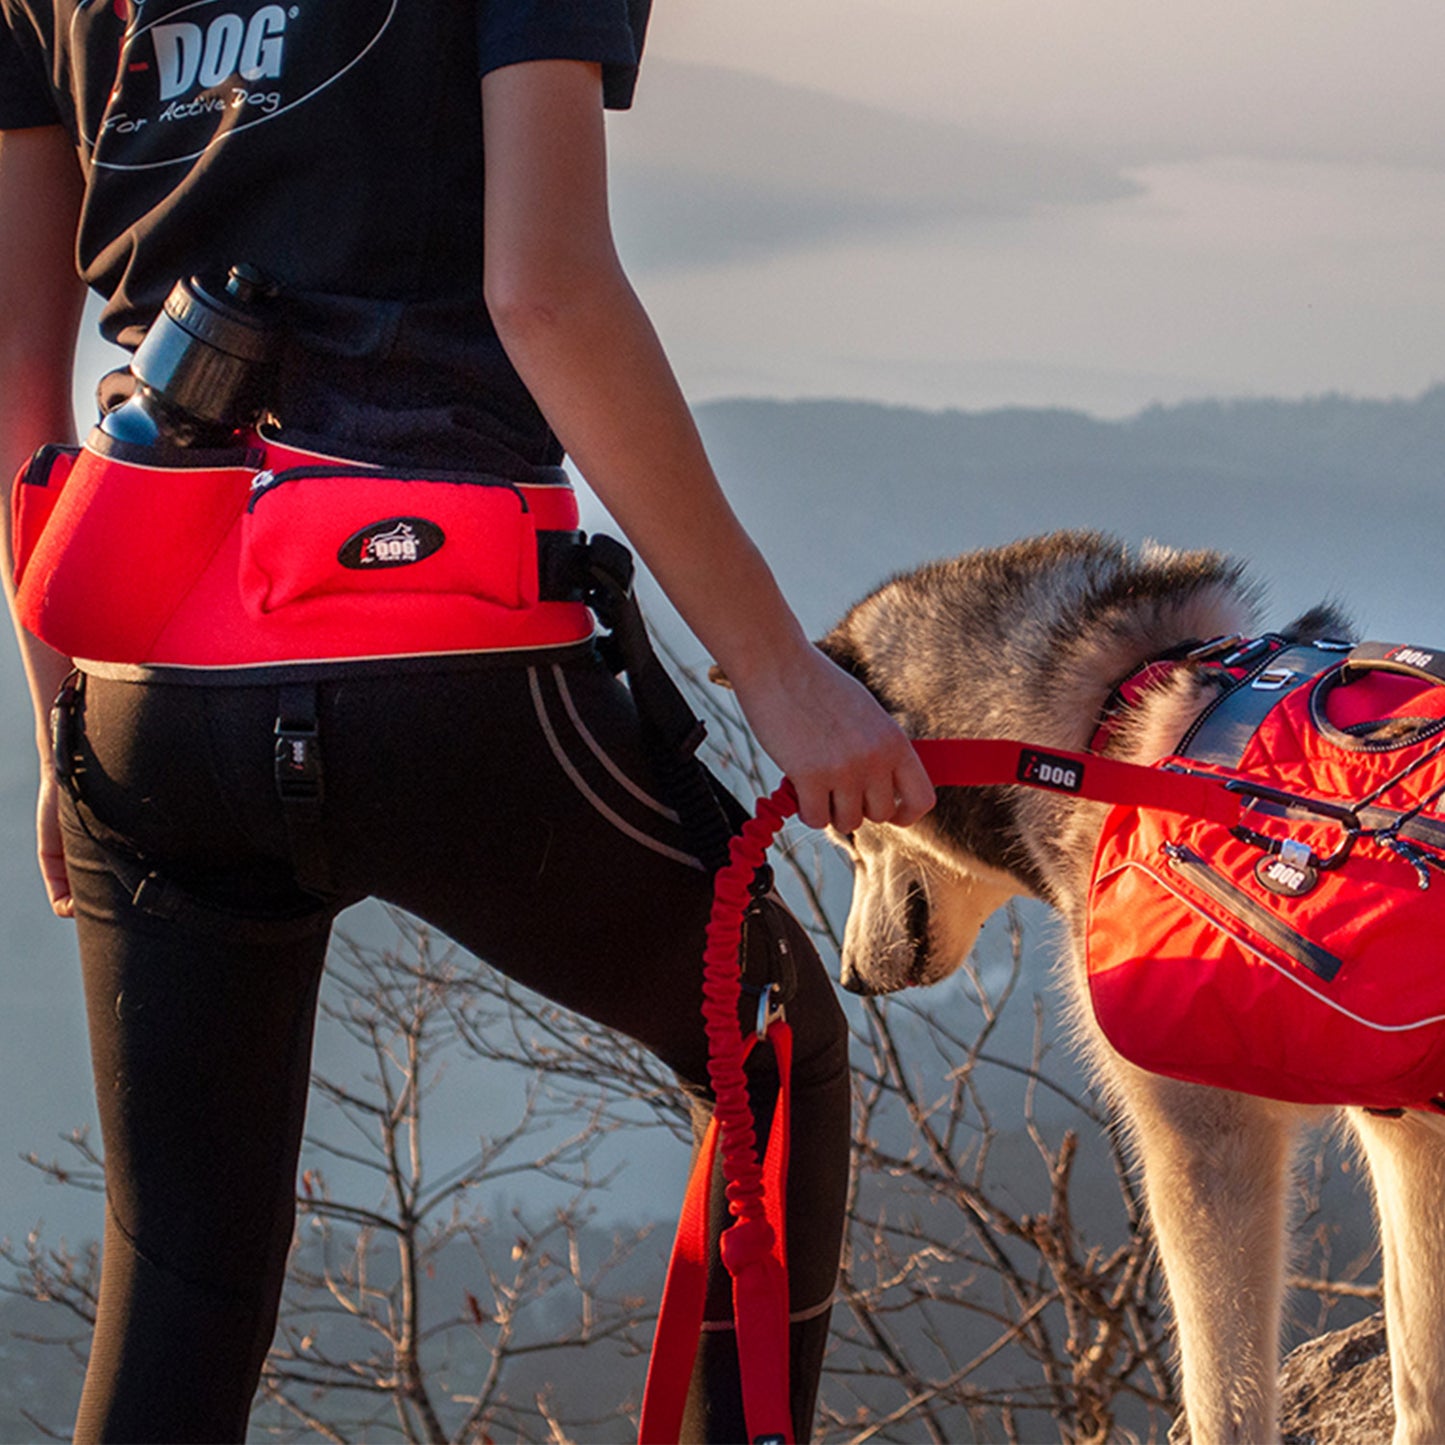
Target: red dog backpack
<point>1299,952</point>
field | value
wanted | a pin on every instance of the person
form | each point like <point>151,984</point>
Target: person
<point>427,183</point>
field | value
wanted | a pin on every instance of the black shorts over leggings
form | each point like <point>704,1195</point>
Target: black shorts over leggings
<point>510,806</point>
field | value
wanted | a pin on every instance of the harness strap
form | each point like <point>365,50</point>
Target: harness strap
<point>151,890</point>
<point>672,732</point>
<point>300,783</point>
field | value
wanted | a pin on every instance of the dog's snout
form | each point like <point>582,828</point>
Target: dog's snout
<point>853,980</point>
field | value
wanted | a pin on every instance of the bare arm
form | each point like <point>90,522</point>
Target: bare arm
<point>581,341</point>
<point>40,305</point>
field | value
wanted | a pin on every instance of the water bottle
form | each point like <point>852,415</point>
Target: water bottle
<point>204,372</point>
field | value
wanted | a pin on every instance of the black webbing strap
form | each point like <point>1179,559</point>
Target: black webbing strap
<point>300,783</point>
<point>671,731</point>
<point>151,890</point>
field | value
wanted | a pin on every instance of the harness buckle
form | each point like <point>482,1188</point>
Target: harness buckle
<point>298,762</point>
<point>1216,647</point>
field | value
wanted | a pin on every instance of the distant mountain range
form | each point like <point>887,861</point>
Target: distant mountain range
<point>1326,496</point>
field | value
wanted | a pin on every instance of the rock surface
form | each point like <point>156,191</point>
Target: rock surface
<point>1333,1391</point>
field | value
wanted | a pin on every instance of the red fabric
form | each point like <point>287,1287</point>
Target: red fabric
<point>37,488</point>
<point>1186,986</point>
<point>980,762</point>
<point>166,566</point>
<point>293,534</point>
<point>123,546</point>
<point>679,1321</point>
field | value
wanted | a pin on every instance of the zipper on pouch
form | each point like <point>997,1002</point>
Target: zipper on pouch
<point>1249,911</point>
<point>268,481</point>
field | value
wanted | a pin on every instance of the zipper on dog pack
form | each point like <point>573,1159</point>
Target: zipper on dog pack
<point>1249,911</point>
<point>268,481</point>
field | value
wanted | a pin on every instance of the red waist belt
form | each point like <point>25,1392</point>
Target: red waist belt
<point>285,556</point>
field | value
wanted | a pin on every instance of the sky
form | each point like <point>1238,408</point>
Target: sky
<point>980,203</point>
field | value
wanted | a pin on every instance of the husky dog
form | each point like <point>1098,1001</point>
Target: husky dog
<point>1027,641</point>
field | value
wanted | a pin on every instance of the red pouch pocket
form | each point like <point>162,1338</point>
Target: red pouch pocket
<point>314,532</point>
<point>37,488</point>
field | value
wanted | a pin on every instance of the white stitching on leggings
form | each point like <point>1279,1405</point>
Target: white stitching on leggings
<point>621,824</point>
<point>603,757</point>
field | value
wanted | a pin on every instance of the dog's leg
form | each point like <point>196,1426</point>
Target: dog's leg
<point>1407,1162</point>
<point>1215,1168</point>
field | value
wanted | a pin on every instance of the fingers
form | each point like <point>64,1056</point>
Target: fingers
<point>915,793</point>
<point>893,791</point>
<point>51,853</point>
<point>57,884</point>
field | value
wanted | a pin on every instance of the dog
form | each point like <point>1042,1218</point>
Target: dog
<point>1027,641</point>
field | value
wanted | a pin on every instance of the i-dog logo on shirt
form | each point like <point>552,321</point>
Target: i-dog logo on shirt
<point>193,73</point>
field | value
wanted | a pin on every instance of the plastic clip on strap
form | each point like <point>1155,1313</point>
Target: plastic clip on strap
<point>754,1248</point>
<point>299,783</point>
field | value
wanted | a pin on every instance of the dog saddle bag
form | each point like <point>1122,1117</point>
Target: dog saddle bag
<point>276,555</point>
<point>1296,951</point>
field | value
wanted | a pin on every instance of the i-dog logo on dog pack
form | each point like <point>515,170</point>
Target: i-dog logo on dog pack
<point>1050,771</point>
<point>392,542</point>
<point>1412,657</point>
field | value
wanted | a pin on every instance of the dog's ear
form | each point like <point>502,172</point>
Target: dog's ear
<point>1326,620</point>
<point>839,647</point>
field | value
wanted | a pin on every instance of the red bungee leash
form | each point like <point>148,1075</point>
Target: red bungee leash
<point>754,1247</point>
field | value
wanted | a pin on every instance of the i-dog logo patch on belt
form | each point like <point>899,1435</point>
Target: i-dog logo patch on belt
<point>391,542</point>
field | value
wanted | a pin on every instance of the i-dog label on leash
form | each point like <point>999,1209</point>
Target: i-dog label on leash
<point>1048,770</point>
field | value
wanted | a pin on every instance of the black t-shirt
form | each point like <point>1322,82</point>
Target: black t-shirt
<point>337,145</point>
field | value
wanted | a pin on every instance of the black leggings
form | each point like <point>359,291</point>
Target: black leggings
<point>510,806</point>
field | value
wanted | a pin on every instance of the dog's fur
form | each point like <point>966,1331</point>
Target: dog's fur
<point>1026,641</point>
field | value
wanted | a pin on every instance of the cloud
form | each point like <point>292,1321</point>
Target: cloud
<point>717,165</point>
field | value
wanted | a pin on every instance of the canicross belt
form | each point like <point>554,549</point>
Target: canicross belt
<point>274,556</point>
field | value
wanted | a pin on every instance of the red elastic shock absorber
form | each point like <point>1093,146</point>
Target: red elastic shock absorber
<point>754,1247</point>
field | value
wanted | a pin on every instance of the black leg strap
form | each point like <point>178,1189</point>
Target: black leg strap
<point>671,730</point>
<point>152,890</point>
<point>300,784</point>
